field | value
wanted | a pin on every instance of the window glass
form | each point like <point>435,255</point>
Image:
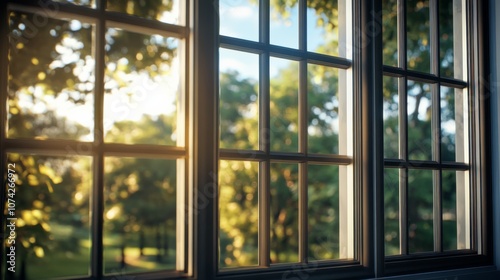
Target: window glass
<point>284,25</point>
<point>239,215</point>
<point>162,10</point>
<point>391,211</point>
<point>139,214</point>
<point>419,108</point>
<point>284,213</point>
<point>391,117</point>
<point>239,19</point>
<point>418,35</point>
<point>142,89</point>
<point>51,207</point>
<point>238,100</point>
<point>51,79</point>
<point>284,103</point>
<point>390,32</point>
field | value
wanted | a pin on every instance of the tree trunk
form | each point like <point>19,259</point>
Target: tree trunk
<point>158,244</point>
<point>123,264</point>
<point>165,242</point>
<point>141,243</point>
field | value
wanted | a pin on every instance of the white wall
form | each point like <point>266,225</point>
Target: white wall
<point>495,119</point>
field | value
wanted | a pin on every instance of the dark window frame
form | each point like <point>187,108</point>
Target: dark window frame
<point>369,160</point>
<point>98,149</point>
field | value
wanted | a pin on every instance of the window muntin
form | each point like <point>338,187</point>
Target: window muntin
<point>427,172</point>
<point>300,92</point>
<point>83,152</point>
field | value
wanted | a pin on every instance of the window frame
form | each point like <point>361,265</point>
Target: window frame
<point>480,205</point>
<point>98,149</point>
<point>202,148</point>
<point>265,156</point>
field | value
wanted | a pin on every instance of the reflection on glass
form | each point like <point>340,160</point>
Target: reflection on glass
<point>323,113</point>
<point>449,203</point>
<point>284,24</point>
<point>238,213</point>
<point>323,26</point>
<point>284,105</point>
<point>284,213</point>
<point>51,79</point>
<point>418,35</point>
<point>453,122</point>
<point>448,124</point>
<point>239,105</point>
<point>391,117</point>
<point>87,3</point>
<point>419,121</point>
<point>420,210</point>
<point>390,32</point>
<point>165,11</point>
<point>139,215</point>
<point>323,212</point>
<point>142,89</point>
<point>451,40</point>
<point>52,205</point>
<point>239,19</point>
<point>391,211</point>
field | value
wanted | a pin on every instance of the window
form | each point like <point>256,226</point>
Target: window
<point>95,130</point>
<point>428,113</point>
<point>286,146</point>
<point>432,190</point>
<point>299,139</point>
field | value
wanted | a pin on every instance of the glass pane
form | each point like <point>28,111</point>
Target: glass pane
<point>391,117</point>
<point>328,27</point>
<point>162,10</point>
<point>284,24</point>
<point>238,213</point>
<point>238,103</point>
<point>418,35</point>
<point>390,32</point>
<point>87,3</point>
<point>239,19</point>
<point>451,38</point>
<point>51,203</point>
<point>51,79</point>
<point>391,211</point>
<point>449,202</point>
<point>420,210</point>
<point>453,125</point>
<point>323,212</point>
<point>284,105</point>
<point>323,113</point>
<point>139,214</point>
<point>284,213</point>
<point>419,121</point>
<point>142,100</point>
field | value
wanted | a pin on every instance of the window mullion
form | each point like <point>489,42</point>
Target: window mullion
<point>436,125</point>
<point>371,101</point>
<point>204,137</point>
<point>97,266</point>
<point>264,235</point>
<point>302,184</point>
